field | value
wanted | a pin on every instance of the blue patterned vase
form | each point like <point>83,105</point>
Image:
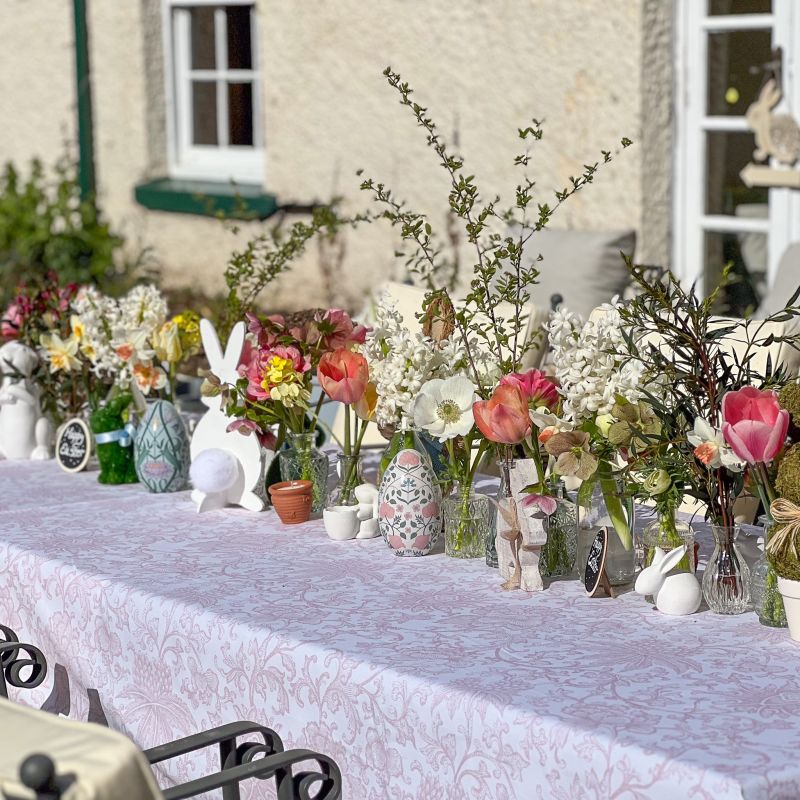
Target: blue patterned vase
<point>161,449</point>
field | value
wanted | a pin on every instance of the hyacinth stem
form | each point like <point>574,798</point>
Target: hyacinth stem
<point>616,511</point>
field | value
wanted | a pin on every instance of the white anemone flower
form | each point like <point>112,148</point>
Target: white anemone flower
<point>443,407</point>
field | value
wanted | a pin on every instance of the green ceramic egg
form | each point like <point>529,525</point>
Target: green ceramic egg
<point>161,448</point>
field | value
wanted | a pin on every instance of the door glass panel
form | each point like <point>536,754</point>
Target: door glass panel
<point>240,113</point>
<point>747,252</point>
<point>240,52</point>
<point>202,27</point>
<point>717,7</point>
<point>735,70</point>
<point>204,112</point>
<point>726,156</point>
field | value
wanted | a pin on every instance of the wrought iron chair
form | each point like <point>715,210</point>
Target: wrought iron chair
<point>241,758</point>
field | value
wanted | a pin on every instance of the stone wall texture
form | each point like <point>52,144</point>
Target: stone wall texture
<point>482,68</point>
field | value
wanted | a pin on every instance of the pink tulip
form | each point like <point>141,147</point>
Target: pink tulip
<point>754,424</point>
<point>539,390</point>
<point>343,375</point>
<point>503,418</point>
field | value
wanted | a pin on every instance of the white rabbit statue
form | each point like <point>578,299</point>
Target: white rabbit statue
<point>24,432</point>
<point>210,437</point>
<point>677,595</point>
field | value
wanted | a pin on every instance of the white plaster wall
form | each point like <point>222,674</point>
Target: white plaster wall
<point>483,68</point>
<point>37,80</point>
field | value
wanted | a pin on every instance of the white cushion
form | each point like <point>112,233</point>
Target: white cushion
<point>584,267</point>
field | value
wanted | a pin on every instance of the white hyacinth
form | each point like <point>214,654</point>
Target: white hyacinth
<point>401,363</point>
<point>591,376</point>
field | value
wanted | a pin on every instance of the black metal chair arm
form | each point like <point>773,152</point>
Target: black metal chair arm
<point>221,734</point>
<point>290,787</point>
<point>11,666</point>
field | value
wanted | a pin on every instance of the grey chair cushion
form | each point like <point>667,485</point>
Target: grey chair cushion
<point>787,281</point>
<point>584,267</point>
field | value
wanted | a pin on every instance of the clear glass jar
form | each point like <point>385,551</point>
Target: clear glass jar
<point>349,470</point>
<point>668,533</point>
<point>467,523</point>
<point>557,558</point>
<point>767,600</point>
<point>726,580</point>
<point>302,461</point>
<point>620,560</point>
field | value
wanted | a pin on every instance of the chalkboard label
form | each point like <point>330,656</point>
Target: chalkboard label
<point>594,576</point>
<point>74,446</point>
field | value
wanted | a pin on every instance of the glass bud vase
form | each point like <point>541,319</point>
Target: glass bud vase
<point>557,558</point>
<point>767,600</point>
<point>467,523</point>
<point>620,561</point>
<point>303,462</point>
<point>726,580</point>
<point>350,474</point>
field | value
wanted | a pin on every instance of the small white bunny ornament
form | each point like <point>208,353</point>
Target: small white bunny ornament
<point>677,595</point>
<point>24,432</point>
<point>212,471</point>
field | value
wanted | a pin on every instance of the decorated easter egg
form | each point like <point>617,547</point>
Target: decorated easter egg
<point>409,505</point>
<point>161,449</point>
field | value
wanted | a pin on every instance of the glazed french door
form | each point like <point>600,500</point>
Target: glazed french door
<point>725,50</point>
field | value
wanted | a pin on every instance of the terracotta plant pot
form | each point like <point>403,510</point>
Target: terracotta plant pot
<point>292,501</point>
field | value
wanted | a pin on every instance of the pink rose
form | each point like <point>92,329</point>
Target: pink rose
<point>754,424</point>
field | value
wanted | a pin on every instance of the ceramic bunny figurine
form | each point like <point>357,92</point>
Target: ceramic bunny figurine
<point>677,595</point>
<point>211,433</point>
<point>24,432</point>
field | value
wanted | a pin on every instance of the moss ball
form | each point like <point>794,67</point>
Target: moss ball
<point>788,480</point>
<point>789,398</point>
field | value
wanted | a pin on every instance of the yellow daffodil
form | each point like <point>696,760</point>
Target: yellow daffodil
<point>61,353</point>
<point>167,342</point>
<point>188,324</point>
<point>77,327</point>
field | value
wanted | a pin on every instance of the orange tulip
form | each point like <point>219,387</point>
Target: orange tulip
<point>343,375</point>
<point>503,418</point>
<point>366,404</point>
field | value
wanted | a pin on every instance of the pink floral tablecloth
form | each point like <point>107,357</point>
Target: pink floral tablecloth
<point>419,676</point>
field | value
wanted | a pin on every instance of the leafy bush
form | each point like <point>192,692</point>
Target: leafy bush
<point>46,226</point>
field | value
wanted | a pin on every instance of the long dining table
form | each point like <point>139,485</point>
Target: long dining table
<point>420,676</point>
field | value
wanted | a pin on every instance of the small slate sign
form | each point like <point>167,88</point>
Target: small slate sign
<point>594,576</point>
<point>74,445</point>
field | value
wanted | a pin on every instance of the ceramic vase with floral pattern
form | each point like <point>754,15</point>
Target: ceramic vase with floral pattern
<point>409,505</point>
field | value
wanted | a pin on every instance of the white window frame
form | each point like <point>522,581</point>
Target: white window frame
<point>222,162</point>
<point>690,222</point>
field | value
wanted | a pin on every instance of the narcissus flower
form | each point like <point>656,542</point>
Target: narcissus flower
<point>149,377</point>
<point>62,354</point>
<point>711,449</point>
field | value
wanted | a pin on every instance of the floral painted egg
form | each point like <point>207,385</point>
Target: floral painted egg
<point>409,505</point>
<point>161,449</point>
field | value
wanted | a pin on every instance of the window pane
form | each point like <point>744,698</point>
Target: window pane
<point>716,7</point>
<point>735,69</point>
<point>240,113</point>
<point>202,25</point>
<point>747,252</point>
<point>240,51</point>
<point>726,156</point>
<point>204,112</point>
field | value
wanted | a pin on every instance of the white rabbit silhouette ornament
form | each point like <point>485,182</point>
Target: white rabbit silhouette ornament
<point>218,480</point>
<point>677,595</point>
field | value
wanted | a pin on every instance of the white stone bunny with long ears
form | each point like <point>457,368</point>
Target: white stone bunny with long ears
<point>227,467</point>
